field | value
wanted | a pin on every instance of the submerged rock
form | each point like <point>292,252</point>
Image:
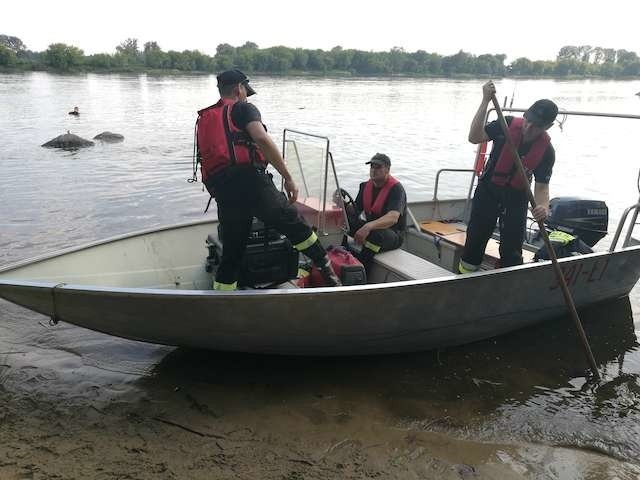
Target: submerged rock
<point>109,137</point>
<point>68,141</point>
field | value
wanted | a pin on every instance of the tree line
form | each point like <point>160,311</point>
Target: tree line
<point>580,61</point>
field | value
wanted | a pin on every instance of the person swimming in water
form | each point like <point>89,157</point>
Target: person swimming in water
<point>75,111</point>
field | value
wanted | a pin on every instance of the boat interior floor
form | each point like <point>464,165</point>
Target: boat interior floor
<point>455,233</point>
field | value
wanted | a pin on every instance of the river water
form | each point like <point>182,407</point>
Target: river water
<point>526,388</point>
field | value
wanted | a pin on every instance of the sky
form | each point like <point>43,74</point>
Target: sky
<point>535,30</point>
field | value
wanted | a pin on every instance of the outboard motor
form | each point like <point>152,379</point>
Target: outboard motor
<point>586,219</point>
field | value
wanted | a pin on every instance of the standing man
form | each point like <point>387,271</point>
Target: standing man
<point>234,151</point>
<point>501,192</point>
<point>383,201</point>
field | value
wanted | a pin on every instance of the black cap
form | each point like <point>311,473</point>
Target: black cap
<point>542,113</point>
<point>234,77</point>
<point>380,159</point>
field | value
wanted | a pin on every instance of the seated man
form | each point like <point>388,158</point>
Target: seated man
<point>383,202</point>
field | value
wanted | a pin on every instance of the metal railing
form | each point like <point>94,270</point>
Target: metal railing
<point>329,168</point>
<point>634,221</point>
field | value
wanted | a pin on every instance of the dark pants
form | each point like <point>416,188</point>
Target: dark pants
<point>377,241</point>
<point>243,193</point>
<point>491,202</point>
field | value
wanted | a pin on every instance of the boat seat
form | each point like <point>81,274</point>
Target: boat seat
<point>408,266</point>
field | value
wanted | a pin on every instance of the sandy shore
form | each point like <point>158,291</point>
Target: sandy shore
<point>179,436</point>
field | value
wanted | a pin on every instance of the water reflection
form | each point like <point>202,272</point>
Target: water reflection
<point>530,385</point>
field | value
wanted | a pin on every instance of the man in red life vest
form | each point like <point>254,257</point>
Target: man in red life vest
<point>382,202</point>
<point>234,150</point>
<point>501,192</point>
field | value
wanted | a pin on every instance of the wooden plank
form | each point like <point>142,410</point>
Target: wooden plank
<point>439,228</point>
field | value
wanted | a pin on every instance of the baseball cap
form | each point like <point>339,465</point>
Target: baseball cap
<point>234,77</point>
<point>380,159</point>
<point>542,113</point>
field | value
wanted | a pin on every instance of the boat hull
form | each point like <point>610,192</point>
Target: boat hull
<point>361,320</point>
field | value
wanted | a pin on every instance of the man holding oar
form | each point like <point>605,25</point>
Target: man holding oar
<point>501,192</point>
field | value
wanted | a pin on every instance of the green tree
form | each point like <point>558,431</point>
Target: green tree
<point>225,57</point>
<point>542,67</point>
<point>244,56</point>
<point>100,61</point>
<point>420,60</point>
<point>598,55</point>
<point>624,57</point>
<point>370,63</point>
<point>397,59</point>
<point>281,59</point>
<point>12,43</point>
<point>319,61</point>
<point>490,64</point>
<point>570,67</point>
<point>522,66</point>
<point>63,57</point>
<point>584,53</point>
<point>225,49</point>
<point>128,52</point>
<point>461,62</point>
<point>300,59</point>
<point>341,58</point>
<point>7,57</point>
<point>224,62</point>
<point>568,52</point>
<point>153,56</point>
<point>631,69</point>
<point>609,55</point>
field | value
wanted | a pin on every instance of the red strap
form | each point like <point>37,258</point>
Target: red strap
<point>480,158</point>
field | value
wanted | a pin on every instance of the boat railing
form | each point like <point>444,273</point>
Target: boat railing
<point>623,220</point>
<point>320,174</point>
<point>456,170</point>
<point>634,221</point>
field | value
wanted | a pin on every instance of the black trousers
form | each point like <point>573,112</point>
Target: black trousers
<point>244,192</point>
<point>377,241</point>
<point>490,203</point>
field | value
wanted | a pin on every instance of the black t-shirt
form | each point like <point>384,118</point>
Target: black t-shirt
<point>244,113</point>
<point>542,172</point>
<point>397,200</point>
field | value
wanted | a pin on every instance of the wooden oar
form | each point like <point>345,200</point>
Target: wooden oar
<point>552,254</point>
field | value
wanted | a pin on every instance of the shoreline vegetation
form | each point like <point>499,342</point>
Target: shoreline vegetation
<point>572,62</point>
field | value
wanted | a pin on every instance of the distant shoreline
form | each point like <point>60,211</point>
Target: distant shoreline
<point>301,73</point>
<point>571,62</point>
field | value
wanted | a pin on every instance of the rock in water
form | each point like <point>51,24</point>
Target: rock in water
<point>109,137</point>
<point>68,141</point>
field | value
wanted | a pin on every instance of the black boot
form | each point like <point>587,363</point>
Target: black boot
<point>328,275</point>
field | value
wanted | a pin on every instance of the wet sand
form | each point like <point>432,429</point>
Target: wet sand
<point>76,404</point>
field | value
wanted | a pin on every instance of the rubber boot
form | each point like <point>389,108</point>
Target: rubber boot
<point>328,274</point>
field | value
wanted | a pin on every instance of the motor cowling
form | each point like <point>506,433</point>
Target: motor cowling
<point>586,219</point>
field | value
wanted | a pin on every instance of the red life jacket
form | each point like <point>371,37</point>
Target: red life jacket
<point>506,171</point>
<point>372,208</point>
<point>221,143</point>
